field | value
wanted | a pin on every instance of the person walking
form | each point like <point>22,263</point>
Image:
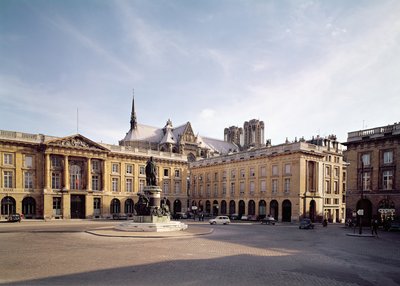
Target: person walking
<point>374,227</point>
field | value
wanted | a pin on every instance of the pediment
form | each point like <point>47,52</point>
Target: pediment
<point>77,141</point>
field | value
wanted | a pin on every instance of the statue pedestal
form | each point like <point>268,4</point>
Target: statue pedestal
<point>151,218</point>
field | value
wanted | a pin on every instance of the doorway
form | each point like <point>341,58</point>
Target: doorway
<point>77,206</point>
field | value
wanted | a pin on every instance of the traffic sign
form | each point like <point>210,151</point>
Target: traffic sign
<point>360,212</point>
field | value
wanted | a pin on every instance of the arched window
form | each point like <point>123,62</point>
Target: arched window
<point>262,208</point>
<point>252,208</point>
<point>75,177</point>
<point>223,207</point>
<point>115,207</point>
<point>28,207</point>
<point>286,211</point>
<point>8,205</point>
<point>129,206</point>
<point>232,207</point>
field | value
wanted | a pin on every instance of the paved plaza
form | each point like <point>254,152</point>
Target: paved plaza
<point>77,253</point>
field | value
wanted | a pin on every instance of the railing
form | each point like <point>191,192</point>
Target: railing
<point>374,131</point>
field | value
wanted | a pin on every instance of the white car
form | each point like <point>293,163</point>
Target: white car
<point>220,220</point>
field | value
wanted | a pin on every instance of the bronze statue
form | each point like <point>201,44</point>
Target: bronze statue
<point>151,173</point>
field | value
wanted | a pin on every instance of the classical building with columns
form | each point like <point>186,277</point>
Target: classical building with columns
<point>288,181</point>
<point>73,177</point>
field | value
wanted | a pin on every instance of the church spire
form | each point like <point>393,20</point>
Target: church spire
<point>133,113</point>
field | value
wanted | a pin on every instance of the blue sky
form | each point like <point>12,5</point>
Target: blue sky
<point>303,67</point>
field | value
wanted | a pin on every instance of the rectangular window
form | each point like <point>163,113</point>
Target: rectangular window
<point>129,169</point>
<point>263,171</point>
<point>114,168</point>
<point>336,187</point>
<point>366,159</point>
<point>96,206</point>
<point>95,183</point>
<point>8,159</point>
<point>288,169</point>
<point>328,186</point>
<point>336,172</point>
<point>387,180</point>
<point>366,181</point>
<point>242,173</point>
<point>28,180</point>
<point>336,201</point>
<point>252,172</point>
<point>388,157</point>
<point>201,190</point>
<point>263,186</point>
<point>275,170</point>
<point>208,190</point>
<point>274,186</point>
<point>129,185</point>
<point>252,187</point>
<point>233,174</point>
<point>232,189</point>
<point>215,176</point>
<point>56,206</point>
<point>28,161</point>
<point>177,187</point>
<point>241,188</point>
<point>55,180</point>
<point>177,173</point>
<point>224,188</point>
<point>166,173</point>
<point>114,185</point>
<point>224,175</point>
<point>55,161</point>
<point>287,185</point>
<point>95,166</point>
<point>208,177</point>
<point>141,186</point>
<point>142,170</point>
<point>328,171</point>
<point>8,179</point>
<point>215,190</point>
<point>166,187</point>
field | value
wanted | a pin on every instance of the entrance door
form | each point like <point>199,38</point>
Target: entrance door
<point>77,206</point>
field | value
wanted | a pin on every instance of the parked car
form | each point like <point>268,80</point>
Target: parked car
<point>392,225</point>
<point>234,217</point>
<point>180,215</point>
<point>14,218</point>
<point>252,218</point>
<point>244,217</point>
<point>120,216</point>
<point>306,223</point>
<point>268,220</point>
<point>220,220</point>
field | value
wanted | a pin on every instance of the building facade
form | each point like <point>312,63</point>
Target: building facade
<point>74,177</point>
<point>373,172</point>
<point>288,181</point>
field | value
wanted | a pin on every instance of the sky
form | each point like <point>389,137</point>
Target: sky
<point>305,68</point>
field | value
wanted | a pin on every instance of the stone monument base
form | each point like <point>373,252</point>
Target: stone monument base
<point>151,226</point>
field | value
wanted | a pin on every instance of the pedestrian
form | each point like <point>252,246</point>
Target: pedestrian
<point>325,223</point>
<point>374,227</point>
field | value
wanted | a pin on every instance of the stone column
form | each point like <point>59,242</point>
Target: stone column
<point>66,174</point>
<point>88,176</point>
<point>47,177</point>
<point>104,176</point>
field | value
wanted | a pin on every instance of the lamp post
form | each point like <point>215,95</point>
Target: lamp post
<point>360,211</point>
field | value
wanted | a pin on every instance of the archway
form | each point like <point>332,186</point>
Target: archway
<point>286,211</point>
<point>366,206</point>
<point>312,210</point>
<point>177,206</point>
<point>28,207</point>
<point>208,207</point>
<point>242,208</point>
<point>262,209</point>
<point>274,209</point>
<point>232,207</point>
<point>115,206</point>
<point>252,208</point>
<point>223,207</point>
<point>215,208</point>
<point>8,206</point>
<point>129,206</point>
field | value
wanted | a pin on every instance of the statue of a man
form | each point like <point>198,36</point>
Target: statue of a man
<point>151,173</point>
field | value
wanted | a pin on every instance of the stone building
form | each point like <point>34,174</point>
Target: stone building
<point>288,181</point>
<point>177,140</point>
<point>373,172</point>
<point>250,136</point>
<point>73,177</point>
